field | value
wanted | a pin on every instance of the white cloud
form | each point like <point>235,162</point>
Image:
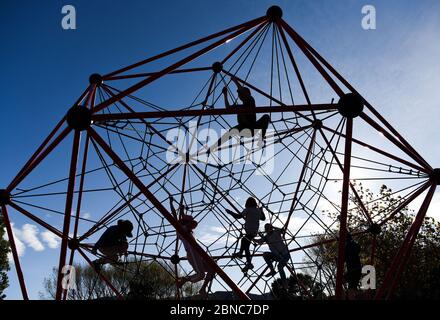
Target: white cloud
<point>86,215</point>
<point>213,234</point>
<point>51,239</point>
<point>21,248</point>
<point>29,235</point>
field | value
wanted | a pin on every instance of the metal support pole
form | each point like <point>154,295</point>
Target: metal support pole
<point>14,252</point>
<point>173,67</point>
<point>344,209</point>
<point>103,278</point>
<point>368,105</point>
<point>188,45</point>
<point>32,164</point>
<point>209,112</point>
<point>295,37</point>
<point>36,219</point>
<point>399,260</point>
<point>68,211</point>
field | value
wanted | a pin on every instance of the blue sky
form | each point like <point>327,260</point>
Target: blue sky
<point>45,68</point>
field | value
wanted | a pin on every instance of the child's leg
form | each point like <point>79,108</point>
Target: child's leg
<point>281,266</point>
<point>282,262</point>
<point>225,138</point>
<point>242,246</point>
<point>196,277</point>
<point>247,251</point>
<point>208,279</point>
<point>110,255</point>
<point>245,245</point>
<point>197,263</point>
<point>263,124</point>
<point>268,257</point>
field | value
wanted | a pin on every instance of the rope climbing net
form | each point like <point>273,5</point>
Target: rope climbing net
<point>142,135</point>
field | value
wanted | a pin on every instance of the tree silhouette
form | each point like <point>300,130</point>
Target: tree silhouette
<point>4,263</point>
<point>420,279</point>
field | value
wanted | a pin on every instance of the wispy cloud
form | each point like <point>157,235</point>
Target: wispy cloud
<point>21,248</point>
<point>29,236</point>
<point>51,239</point>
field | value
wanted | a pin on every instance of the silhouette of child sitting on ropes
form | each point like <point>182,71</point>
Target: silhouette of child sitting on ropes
<point>353,264</point>
<point>113,244</point>
<point>252,216</point>
<point>202,271</point>
<point>247,122</point>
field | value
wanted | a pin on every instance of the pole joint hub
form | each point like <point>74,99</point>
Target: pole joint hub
<point>317,124</point>
<point>73,244</point>
<point>435,176</point>
<point>96,79</point>
<point>175,259</point>
<point>5,197</point>
<point>351,105</point>
<point>217,67</point>
<point>274,13</point>
<point>79,118</point>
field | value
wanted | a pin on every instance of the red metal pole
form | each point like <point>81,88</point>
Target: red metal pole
<point>295,37</point>
<point>14,252</point>
<point>81,187</point>
<point>292,59</point>
<point>27,169</point>
<point>68,211</point>
<point>79,202</point>
<point>344,209</point>
<point>368,105</point>
<point>103,278</point>
<point>154,201</point>
<point>208,112</point>
<point>398,144</point>
<point>358,198</point>
<point>189,45</point>
<point>397,264</point>
<point>173,67</point>
<point>36,219</point>
<point>147,74</point>
<point>405,203</point>
<point>377,150</point>
<point>124,205</point>
<point>45,142</point>
<point>253,33</point>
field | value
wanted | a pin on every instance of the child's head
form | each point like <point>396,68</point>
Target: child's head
<point>243,93</point>
<point>126,227</point>
<point>251,203</point>
<point>188,222</point>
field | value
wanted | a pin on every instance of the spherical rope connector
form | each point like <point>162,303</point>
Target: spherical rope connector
<point>79,118</point>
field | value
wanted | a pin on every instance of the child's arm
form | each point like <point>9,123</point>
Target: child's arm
<point>262,215</point>
<point>225,95</point>
<point>99,242</point>
<point>234,79</point>
<point>235,215</point>
<point>173,210</point>
<point>259,240</point>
